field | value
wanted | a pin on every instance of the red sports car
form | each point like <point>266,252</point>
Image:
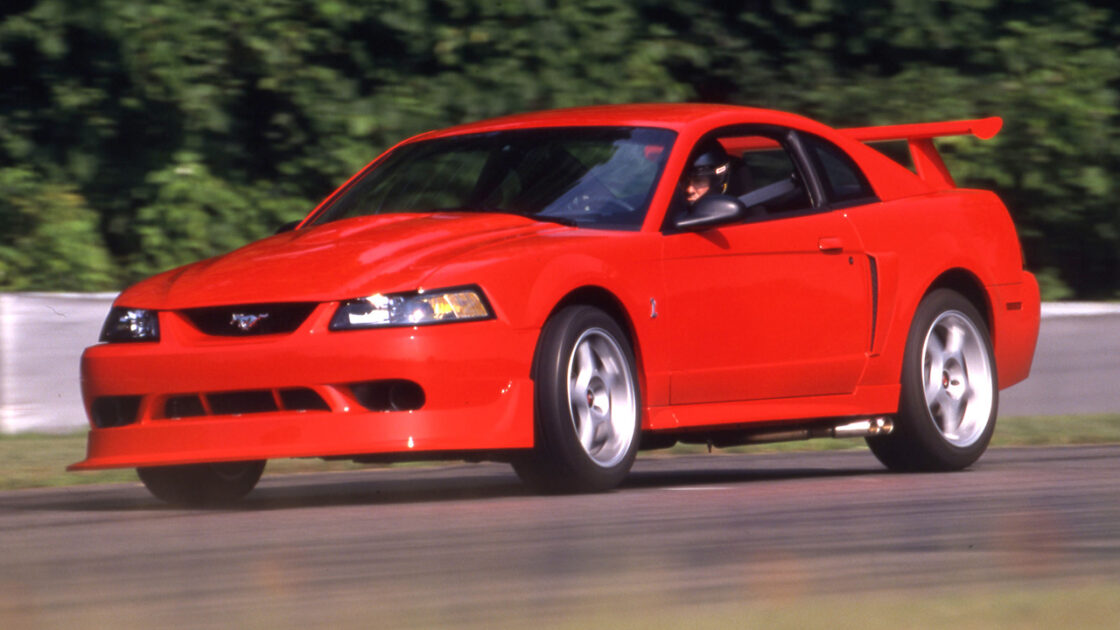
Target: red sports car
<point>561,289</point>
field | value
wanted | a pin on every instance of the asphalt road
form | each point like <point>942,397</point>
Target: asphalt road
<point>465,546</point>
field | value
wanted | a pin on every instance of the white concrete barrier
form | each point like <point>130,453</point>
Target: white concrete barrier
<point>1079,309</point>
<point>42,336</point>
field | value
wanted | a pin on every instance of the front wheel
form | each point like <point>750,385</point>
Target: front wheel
<point>947,409</point>
<point>587,405</point>
<point>202,485</point>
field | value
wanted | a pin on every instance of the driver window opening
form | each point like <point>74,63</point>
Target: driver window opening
<point>755,169</point>
<point>764,176</point>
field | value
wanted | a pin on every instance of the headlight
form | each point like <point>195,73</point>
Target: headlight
<point>462,304</point>
<point>130,324</point>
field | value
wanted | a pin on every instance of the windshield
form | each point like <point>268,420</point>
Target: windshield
<point>588,176</point>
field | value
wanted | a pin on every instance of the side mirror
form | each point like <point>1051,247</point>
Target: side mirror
<point>287,227</point>
<point>711,211</point>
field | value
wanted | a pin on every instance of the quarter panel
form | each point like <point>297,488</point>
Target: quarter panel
<point>915,241</point>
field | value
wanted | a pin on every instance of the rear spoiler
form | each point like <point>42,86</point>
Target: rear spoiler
<point>919,138</point>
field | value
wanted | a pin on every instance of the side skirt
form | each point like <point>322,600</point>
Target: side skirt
<point>880,400</point>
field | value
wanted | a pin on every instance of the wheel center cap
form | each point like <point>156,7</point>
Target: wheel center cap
<point>945,380</point>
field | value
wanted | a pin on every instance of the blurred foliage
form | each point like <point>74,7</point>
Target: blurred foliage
<point>51,236</point>
<point>138,135</point>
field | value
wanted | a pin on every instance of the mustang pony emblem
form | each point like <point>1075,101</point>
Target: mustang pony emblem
<point>246,321</point>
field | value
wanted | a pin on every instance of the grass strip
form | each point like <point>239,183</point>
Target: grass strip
<point>39,460</point>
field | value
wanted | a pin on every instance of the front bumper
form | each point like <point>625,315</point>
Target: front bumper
<point>477,394</point>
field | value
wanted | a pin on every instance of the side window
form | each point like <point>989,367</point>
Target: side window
<point>756,164</point>
<point>764,176</point>
<point>840,177</point>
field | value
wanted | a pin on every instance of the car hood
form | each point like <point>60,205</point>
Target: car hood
<point>338,260</point>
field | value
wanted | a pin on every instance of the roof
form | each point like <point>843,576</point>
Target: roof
<point>669,115</point>
<point>690,120</point>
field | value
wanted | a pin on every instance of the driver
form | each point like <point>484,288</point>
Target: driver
<point>708,172</point>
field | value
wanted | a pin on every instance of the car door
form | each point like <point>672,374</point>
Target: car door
<point>776,306</point>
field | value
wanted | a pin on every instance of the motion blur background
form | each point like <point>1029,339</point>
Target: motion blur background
<point>136,135</point>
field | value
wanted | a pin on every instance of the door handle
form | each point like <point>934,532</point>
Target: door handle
<point>831,244</point>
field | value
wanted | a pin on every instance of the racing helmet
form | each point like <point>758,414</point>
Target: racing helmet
<point>712,164</point>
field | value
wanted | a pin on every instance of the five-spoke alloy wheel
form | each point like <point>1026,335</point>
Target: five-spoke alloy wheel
<point>587,402</point>
<point>957,375</point>
<point>947,409</point>
<point>601,396</point>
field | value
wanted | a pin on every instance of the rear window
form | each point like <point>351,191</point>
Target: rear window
<point>842,179</point>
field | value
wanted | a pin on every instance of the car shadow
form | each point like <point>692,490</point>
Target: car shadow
<point>686,478</point>
<point>446,483</point>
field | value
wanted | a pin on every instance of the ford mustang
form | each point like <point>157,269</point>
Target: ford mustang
<point>560,289</point>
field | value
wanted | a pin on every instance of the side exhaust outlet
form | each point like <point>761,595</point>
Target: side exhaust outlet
<point>867,427</point>
<point>864,428</point>
<point>881,425</point>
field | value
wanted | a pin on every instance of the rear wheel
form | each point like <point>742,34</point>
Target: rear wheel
<point>947,409</point>
<point>587,405</point>
<point>202,485</point>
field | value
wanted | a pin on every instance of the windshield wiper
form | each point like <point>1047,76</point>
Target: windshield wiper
<point>533,217</point>
<point>551,219</point>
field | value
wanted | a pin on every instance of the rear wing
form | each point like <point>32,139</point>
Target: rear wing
<point>919,138</point>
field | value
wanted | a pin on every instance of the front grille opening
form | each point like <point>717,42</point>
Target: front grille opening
<point>244,320</point>
<point>115,411</point>
<point>230,403</point>
<point>389,395</point>
<point>243,402</point>
<point>187,406</point>
<point>302,399</point>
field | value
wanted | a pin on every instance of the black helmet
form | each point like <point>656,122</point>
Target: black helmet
<point>713,163</point>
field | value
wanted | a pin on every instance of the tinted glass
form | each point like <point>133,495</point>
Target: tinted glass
<point>763,175</point>
<point>842,179</point>
<point>587,176</point>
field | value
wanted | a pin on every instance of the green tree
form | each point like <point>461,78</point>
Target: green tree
<point>50,237</point>
<point>191,126</point>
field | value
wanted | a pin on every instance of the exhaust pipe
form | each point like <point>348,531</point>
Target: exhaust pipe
<point>863,428</point>
<point>880,425</point>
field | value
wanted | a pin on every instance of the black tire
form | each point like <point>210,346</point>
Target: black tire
<point>582,348</point>
<point>202,485</point>
<point>945,416</point>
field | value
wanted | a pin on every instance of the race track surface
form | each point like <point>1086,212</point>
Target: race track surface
<point>466,546</point>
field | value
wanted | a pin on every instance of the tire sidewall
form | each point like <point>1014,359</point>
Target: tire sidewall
<point>202,485</point>
<point>918,424</point>
<point>557,442</point>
